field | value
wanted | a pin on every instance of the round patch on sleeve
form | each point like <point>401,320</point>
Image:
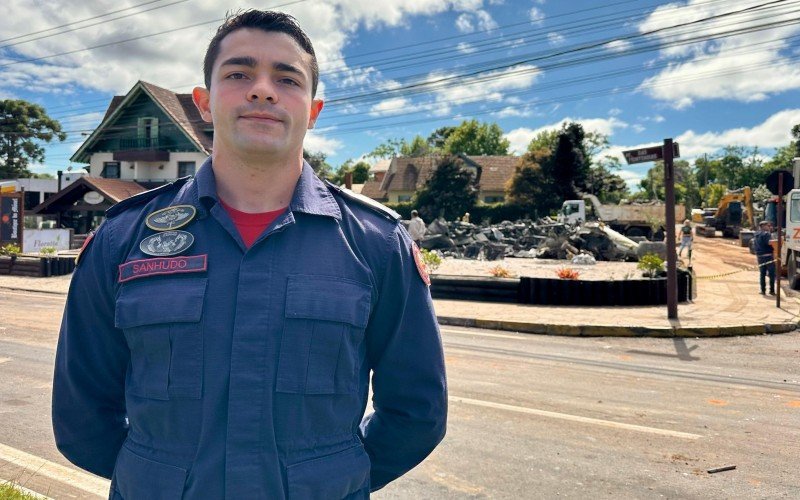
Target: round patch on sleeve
<point>421,268</point>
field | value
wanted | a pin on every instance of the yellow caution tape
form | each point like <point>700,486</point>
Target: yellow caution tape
<point>722,275</point>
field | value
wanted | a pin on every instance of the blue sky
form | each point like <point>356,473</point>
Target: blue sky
<point>707,73</point>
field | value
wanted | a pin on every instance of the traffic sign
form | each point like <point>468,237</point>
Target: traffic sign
<point>772,182</point>
<point>649,154</point>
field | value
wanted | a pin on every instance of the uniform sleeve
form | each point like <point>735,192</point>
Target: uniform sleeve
<point>89,417</point>
<point>409,387</point>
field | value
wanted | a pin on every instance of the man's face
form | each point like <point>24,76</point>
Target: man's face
<point>260,97</point>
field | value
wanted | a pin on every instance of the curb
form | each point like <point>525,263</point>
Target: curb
<point>582,330</point>
<point>31,290</point>
<point>619,331</point>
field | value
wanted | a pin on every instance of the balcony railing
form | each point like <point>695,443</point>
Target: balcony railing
<point>143,143</point>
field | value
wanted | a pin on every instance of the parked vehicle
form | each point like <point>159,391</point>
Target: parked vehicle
<point>734,212</point>
<point>632,220</point>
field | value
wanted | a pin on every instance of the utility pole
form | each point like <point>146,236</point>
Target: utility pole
<point>672,260</point>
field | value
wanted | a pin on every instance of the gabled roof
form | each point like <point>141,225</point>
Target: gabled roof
<point>113,190</point>
<point>410,173</point>
<point>179,107</point>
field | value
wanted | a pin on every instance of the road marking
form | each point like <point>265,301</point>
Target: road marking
<point>478,334</point>
<point>575,418</point>
<point>39,466</point>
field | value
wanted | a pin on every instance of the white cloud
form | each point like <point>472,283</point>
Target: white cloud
<point>555,38</point>
<point>485,21</point>
<point>747,67</point>
<point>618,45</point>
<point>514,111</point>
<point>489,87</point>
<point>391,107</point>
<point>466,48</point>
<point>638,128</point>
<point>174,60</point>
<point>318,143</point>
<point>536,15</point>
<point>771,133</point>
<point>614,112</point>
<point>464,23</point>
<point>521,137</point>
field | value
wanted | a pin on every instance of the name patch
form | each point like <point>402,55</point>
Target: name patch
<point>163,265</point>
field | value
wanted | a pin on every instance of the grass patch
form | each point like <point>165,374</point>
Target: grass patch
<point>9,492</point>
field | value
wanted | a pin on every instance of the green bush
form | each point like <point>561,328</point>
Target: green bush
<point>10,249</point>
<point>47,250</point>
<point>431,259</point>
<point>651,264</point>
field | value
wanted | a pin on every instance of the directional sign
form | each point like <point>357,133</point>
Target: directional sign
<point>649,154</point>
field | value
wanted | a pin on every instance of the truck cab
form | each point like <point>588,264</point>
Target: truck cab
<point>572,212</point>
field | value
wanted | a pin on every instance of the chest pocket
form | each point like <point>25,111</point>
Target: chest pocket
<point>324,324</point>
<point>162,321</point>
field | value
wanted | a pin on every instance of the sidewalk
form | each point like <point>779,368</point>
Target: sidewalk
<point>730,305</point>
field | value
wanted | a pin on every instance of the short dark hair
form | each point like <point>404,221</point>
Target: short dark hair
<point>264,20</point>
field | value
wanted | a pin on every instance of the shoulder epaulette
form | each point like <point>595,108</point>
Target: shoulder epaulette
<point>365,201</point>
<point>145,196</point>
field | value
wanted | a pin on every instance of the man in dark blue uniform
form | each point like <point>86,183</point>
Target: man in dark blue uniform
<point>765,257</point>
<point>221,332</point>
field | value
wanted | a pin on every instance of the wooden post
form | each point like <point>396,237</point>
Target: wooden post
<point>672,260</point>
<point>780,237</point>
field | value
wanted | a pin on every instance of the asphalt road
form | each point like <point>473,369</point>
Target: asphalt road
<point>530,416</point>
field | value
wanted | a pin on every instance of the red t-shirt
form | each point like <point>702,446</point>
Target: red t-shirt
<point>250,226</point>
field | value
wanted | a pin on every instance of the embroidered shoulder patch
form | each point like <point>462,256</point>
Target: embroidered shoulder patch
<point>162,265</point>
<point>422,269</point>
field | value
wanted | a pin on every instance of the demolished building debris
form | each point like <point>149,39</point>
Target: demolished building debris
<point>544,239</point>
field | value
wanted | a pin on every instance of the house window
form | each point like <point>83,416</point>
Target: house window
<point>147,132</point>
<point>403,197</point>
<point>110,170</point>
<point>494,199</point>
<point>186,168</point>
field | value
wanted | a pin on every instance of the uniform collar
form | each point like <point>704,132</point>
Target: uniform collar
<point>311,196</point>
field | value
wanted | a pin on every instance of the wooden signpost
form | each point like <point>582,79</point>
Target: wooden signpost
<point>667,152</point>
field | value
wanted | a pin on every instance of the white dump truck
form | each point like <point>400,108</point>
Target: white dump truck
<point>630,219</point>
<point>790,249</point>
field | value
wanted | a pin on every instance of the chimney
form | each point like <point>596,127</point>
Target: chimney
<point>59,174</point>
<point>348,180</point>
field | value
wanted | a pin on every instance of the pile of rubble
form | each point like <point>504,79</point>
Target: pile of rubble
<point>543,239</point>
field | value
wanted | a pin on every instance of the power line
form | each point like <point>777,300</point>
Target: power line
<point>81,21</point>
<point>133,39</point>
<point>91,25</point>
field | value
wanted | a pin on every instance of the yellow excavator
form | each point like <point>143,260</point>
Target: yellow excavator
<point>734,213</point>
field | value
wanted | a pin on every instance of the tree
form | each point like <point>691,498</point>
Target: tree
<point>796,135</point>
<point>569,165</point>
<point>318,163</point>
<point>399,147</point>
<point>529,188</point>
<point>439,136</point>
<point>359,170</point>
<point>783,158</point>
<point>602,182</point>
<point>687,190</point>
<point>474,138</point>
<point>449,191</point>
<point>23,126</point>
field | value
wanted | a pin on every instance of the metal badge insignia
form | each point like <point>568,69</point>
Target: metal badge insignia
<point>166,243</point>
<point>170,218</point>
